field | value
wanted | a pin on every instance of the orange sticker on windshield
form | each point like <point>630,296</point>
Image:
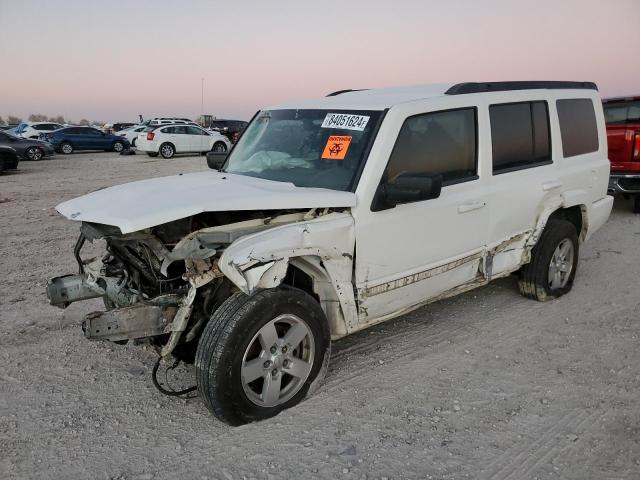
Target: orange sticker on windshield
<point>336,147</point>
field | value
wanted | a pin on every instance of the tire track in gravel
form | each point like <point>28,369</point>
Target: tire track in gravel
<point>412,339</point>
<point>526,457</point>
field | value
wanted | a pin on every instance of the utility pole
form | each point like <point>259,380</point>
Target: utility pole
<point>202,98</point>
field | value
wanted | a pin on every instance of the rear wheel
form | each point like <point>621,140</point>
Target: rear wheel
<point>261,354</point>
<point>554,261</point>
<point>34,153</point>
<point>118,146</point>
<point>167,150</point>
<point>66,148</point>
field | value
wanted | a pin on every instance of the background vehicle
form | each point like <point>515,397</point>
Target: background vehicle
<point>337,214</point>
<point>167,140</point>
<point>168,121</point>
<point>116,127</point>
<point>67,140</point>
<point>131,133</point>
<point>622,116</point>
<point>229,128</point>
<point>26,148</point>
<point>8,158</point>
<point>35,129</point>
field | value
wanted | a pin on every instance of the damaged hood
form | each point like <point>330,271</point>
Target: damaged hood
<point>147,203</point>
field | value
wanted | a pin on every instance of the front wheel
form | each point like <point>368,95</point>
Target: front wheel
<point>262,353</point>
<point>34,153</point>
<point>118,146</point>
<point>553,265</point>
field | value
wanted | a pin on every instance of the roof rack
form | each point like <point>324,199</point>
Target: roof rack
<point>340,92</point>
<point>478,87</point>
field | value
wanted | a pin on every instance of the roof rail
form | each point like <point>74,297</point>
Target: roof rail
<point>478,87</point>
<point>340,92</point>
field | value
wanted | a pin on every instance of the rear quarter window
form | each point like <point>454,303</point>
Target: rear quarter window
<point>578,127</point>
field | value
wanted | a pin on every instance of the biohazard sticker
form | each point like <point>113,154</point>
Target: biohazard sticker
<point>345,121</point>
<point>336,147</point>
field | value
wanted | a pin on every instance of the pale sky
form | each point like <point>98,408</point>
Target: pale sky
<point>111,60</point>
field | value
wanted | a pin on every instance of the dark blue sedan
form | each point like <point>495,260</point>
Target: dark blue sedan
<point>69,139</point>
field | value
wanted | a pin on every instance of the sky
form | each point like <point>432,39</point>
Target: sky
<point>112,60</point>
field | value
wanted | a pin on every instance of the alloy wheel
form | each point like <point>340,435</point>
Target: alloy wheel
<point>561,264</point>
<point>277,361</point>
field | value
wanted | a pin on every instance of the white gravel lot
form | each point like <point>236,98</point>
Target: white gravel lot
<point>487,385</point>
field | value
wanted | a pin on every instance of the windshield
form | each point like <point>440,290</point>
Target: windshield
<point>309,148</point>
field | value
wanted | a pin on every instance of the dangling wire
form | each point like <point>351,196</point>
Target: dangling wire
<point>161,389</point>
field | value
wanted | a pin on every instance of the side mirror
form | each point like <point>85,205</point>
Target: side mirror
<point>407,188</point>
<point>215,160</point>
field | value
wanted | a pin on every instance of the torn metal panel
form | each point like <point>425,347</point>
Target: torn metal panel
<point>203,243</point>
<point>258,260</point>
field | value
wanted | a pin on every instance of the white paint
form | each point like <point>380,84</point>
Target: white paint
<point>139,205</point>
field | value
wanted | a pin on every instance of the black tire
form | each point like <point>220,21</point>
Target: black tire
<point>636,204</point>
<point>167,150</point>
<point>534,279</point>
<point>66,146</point>
<point>133,142</point>
<point>152,154</point>
<point>219,147</point>
<point>117,146</point>
<point>228,335</point>
<point>34,153</point>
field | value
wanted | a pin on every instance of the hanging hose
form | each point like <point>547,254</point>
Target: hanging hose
<point>161,389</point>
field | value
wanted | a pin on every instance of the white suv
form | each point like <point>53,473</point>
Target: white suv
<point>167,140</point>
<point>335,214</point>
<point>35,129</point>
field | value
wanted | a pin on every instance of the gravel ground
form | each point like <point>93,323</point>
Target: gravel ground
<point>487,385</point>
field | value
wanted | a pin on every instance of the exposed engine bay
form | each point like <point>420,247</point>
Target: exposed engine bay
<point>164,282</point>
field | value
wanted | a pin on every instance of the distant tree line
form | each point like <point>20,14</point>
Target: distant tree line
<point>38,117</point>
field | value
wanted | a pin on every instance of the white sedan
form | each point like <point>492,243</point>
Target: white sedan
<point>131,133</point>
<point>167,140</point>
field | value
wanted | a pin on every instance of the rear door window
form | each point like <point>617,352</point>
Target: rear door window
<point>578,127</point>
<point>520,136</point>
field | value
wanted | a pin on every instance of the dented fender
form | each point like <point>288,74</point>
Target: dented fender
<point>261,260</point>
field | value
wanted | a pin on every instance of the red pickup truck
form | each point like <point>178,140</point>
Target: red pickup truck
<point>622,116</point>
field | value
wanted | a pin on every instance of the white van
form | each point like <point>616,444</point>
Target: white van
<point>334,214</point>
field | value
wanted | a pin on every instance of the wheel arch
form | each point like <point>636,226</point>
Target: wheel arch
<point>570,206</point>
<point>273,257</point>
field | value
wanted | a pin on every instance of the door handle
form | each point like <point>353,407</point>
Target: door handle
<point>468,207</point>
<point>546,186</point>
